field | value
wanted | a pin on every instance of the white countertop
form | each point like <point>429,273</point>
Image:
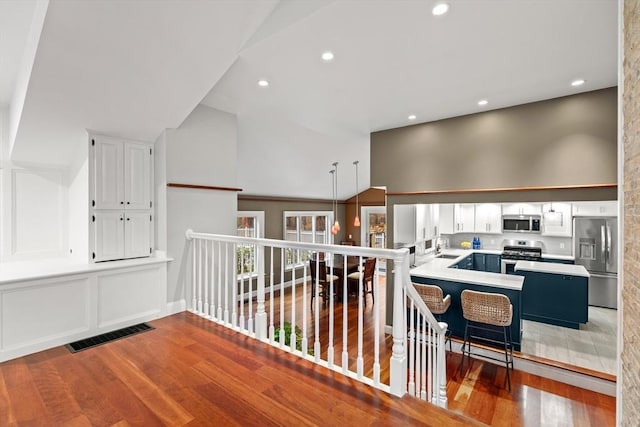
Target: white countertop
<point>438,268</point>
<point>552,267</point>
<point>20,271</point>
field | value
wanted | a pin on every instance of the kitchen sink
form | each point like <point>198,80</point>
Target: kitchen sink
<point>445,256</point>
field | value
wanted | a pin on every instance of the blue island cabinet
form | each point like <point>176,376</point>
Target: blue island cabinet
<point>454,316</point>
<point>557,299</point>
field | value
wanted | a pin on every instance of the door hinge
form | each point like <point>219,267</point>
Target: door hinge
<point>93,255</point>
<point>150,204</point>
<point>93,142</point>
<point>93,218</point>
<point>150,151</point>
<point>150,251</point>
<point>93,203</point>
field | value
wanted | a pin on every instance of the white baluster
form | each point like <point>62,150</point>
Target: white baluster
<point>234,286</point>
<point>212,306</point>
<point>205,284</point>
<point>271,301</point>
<point>345,330</point>
<point>305,340</point>
<point>376,316</point>
<point>419,349</point>
<point>241,294</point>
<point>261,314</point>
<point>200,276</point>
<point>423,363</point>
<point>193,278</point>
<point>220,285</point>
<point>282,332</point>
<point>398,367</point>
<point>316,343</point>
<point>331,291</point>
<point>292,337</point>
<point>359,358</point>
<point>412,350</point>
<point>430,360</point>
<point>442,369</point>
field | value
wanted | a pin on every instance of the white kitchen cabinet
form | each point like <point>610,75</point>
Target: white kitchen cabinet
<point>522,209</point>
<point>121,204</point>
<point>446,221</point>
<point>426,222</point>
<point>601,208</point>
<point>404,224</point>
<point>488,218</point>
<point>465,217</point>
<point>433,226</point>
<point>556,219</point>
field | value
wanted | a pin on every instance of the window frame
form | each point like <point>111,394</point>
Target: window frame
<point>258,217</point>
<point>328,237</point>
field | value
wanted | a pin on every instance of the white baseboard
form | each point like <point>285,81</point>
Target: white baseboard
<point>175,307</point>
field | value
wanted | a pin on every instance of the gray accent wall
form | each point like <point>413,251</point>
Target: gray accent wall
<point>559,142</point>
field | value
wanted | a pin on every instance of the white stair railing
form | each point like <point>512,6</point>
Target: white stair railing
<point>228,286</point>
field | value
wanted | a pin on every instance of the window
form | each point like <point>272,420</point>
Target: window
<point>308,227</point>
<point>249,224</point>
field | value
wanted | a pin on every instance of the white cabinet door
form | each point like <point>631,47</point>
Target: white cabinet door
<point>446,221</point>
<point>404,224</point>
<point>488,218</point>
<point>556,219</point>
<point>137,234</point>
<point>602,208</point>
<point>421,222</point>
<point>109,235</point>
<point>522,209</point>
<point>137,176</point>
<point>109,177</point>
<point>465,218</point>
<point>434,231</point>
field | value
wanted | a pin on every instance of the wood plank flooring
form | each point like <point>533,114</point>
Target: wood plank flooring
<point>190,371</point>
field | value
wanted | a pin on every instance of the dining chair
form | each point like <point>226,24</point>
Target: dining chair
<point>324,280</point>
<point>367,279</point>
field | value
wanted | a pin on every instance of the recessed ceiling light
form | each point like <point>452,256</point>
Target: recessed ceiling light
<point>327,56</point>
<point>263,83</point>
<point>483,102</point>
<point>412,117</point>
<point>440,9</point>
<point>578,82</point>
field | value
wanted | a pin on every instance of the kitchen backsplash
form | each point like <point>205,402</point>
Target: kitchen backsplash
<point>550,245</point>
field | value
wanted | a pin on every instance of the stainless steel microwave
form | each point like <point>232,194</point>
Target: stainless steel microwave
<point>521,223</point>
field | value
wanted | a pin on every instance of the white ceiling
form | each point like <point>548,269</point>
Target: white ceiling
<point>134,68</point>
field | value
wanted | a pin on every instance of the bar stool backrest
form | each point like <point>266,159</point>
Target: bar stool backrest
<point>484,307</point>
<point>432,297</point>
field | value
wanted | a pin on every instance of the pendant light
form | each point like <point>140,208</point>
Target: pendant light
<point>356,220</point>
<point>333,199</point>
<point>336,224</point>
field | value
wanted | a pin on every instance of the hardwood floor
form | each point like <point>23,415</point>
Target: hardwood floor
<point>190,371</point>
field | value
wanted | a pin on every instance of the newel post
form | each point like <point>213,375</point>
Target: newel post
<point>261,314</point>
<point>398,362</point>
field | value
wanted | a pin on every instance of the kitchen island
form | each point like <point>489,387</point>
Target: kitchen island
<point>557,294</point>
<point>437,271</point>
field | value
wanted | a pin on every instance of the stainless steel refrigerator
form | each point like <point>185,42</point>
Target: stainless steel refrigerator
<point>596,241</point>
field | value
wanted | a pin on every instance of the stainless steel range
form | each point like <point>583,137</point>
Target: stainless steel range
<point>519,250</point>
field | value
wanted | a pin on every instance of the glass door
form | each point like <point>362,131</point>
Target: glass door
<point>374,226</point>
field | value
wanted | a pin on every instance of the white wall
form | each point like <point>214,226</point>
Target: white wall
<point>277,157</point>
<point>201,151</point>
<point>78,218</point>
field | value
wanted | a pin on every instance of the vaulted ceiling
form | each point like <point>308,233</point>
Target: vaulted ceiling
<point>133,68</point>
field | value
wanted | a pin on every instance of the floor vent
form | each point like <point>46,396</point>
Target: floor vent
<point>77,346</point>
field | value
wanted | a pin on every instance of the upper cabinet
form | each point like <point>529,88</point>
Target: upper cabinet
<point>488,218</point>
<point>603,208</point>
<point>122,178</point>
<point>556,219</point>
<point>404,224</point>
<point>121,204</point>
<point>522,209</point>
<point>456,218</point>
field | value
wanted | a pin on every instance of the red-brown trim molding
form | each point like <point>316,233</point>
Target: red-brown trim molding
<point>202,187</point>
<point>498,190</point>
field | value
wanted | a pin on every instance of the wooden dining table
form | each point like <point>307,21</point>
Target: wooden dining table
<point>337,262</point>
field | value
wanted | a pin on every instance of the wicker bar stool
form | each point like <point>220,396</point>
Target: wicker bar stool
<point>438,306</point>
<point>492,314</point>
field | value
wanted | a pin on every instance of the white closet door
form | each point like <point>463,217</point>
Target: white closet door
<point>109,235</point>
<point>137,176</point>
<point>138,234</point>
<point>109,180</point>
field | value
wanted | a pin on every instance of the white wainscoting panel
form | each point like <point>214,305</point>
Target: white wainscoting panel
<point>124,297</point>
<point>44,311</point>
<point>39,224</point>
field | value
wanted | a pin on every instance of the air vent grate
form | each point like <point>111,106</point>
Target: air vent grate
<point>77,346</point>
